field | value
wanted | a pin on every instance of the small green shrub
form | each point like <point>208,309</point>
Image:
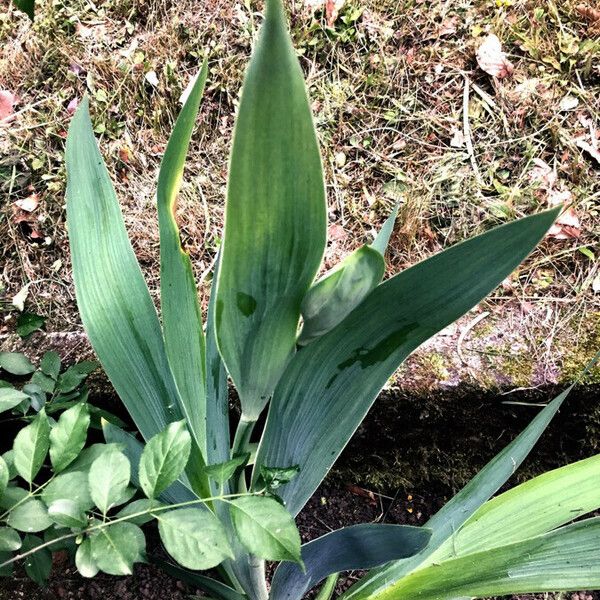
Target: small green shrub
<point>315,355</point>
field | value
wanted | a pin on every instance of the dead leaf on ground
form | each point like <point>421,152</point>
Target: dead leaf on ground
<point>448,26</point>
<point>332,10</point>
<point>543,174</point>
<point>588,13</point>
<point>567,226</point>
<point>591,150</point>
<point>72,106</point>
<point>359,491</point>
<point>458,138</point>
<point>7,104</point>
<point>492,59</point>
<point>29,204</point>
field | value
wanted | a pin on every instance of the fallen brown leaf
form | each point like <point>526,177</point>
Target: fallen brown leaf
<point>29,204</point>
<point>7,104</point>
<point>492,59</point>
<point>567,226</point>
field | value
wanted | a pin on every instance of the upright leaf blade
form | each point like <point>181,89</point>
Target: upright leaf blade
<point>181,315</point>
<point>329,385</point>
<point>115,306</point>
<point>380,243</point>
<point>357,547</point>
<point>275,223</point>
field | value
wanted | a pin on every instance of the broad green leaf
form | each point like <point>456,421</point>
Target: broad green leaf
<point>31,447</point>
<point>195,538</point>
<point>12,496</point>
<point>70,485</point>
<point>341,290</point>
<point>67,513</point>
<point>50,364</point>
<point>39,564</point>
<point>52,535</point>
<point>9,540</point>
<point>140,506</point>
<point>44,382</point>
<point>217,392</point>
<point>207,584</point>
<point>274,477</point>
<point>88,455</point>
<point>84,559</point>
<point>16,363</point>
<point>9,398</point>
<point>9,459</point>
<point>178,492</point>
<point>68,436</point>
<point>448,520</point>
<point>36,396</point>
<point>356,547</point>
<point>562,560</point>
<point>275,222</point>
<point>8,569</point>
<point>74,376</point>
<point>164,459</point>
<point>265,528</point>
<point>115,306</point>
<point>532,508</point>
<point>180,311</point>
<point>28,322</point>
<point>31,516</point>
<point>222,472</point>
<point>382,239</point>
<point>117,547</point>
<point>108,479</point>
<point>4,476</point>
<point>329,386</point>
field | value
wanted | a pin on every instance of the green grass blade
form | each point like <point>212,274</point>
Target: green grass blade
<point>447,521</point>
<point>564,560</point>
<point>357,547</point>
<point>180,311</point>
<point>115,305</point>
<point>329,386</point>
<point>275,223</point>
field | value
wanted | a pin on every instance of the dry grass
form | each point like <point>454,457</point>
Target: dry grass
<point>387,83</point>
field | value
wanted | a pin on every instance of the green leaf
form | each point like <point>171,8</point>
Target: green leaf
<point>275,223</point>
<point>9,398</point>
<point>329,386</point>
<point>71,485</point>
<point>108,479</point>
<point>44,382</point>
<point>265,528</point>
<point>84,559</point>
<point>117,547</point>
<point>9,459</point>
<point>164,459</point>
<point>68,436</point>
<point>181,314</point>
<point>9,540</point>
<point>195,538</point>
<point>448,520</point>
<point>222,472</point>
<point>357,547</point>
<point>27,6</point>
<point>52,536</point>
<point>4,476</point>
<point>565,559</point>
<point>16,363</point>
<point>36,395</point>
<point>31,447</point>
<point>274,477</point>
<point>382,239</point>
<point>50,364</point>
<point>31,516</point>
<point>12,496</point>
<point>217,392</point>
<point>67,513</point>
<point>341,290</point>
<point>112,295</point>
<point>139,506</point>
<point>39,564</point>
<point>28,322</point>
<point>74,376</point>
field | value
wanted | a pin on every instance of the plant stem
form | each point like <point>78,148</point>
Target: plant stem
<point>241,443</point>
<point>326,592</point>
<point>257,578</point>
<point>119,520</point>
